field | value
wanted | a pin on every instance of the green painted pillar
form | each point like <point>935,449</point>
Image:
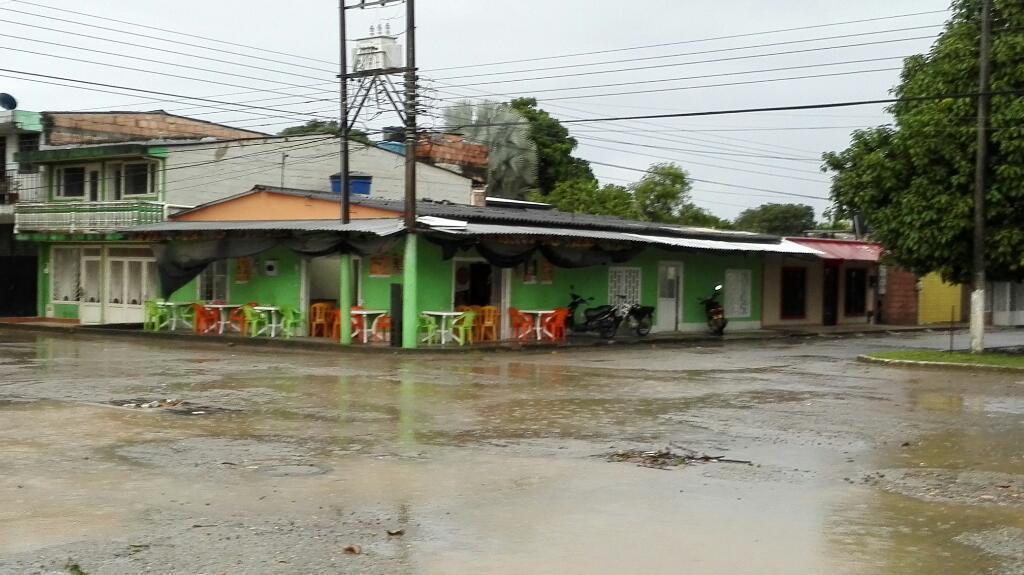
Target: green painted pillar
<point>345,298</point>
<point>410,309</point>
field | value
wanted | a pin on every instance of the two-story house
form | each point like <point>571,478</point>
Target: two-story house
<point>19,131</point>
<point>86,270</point>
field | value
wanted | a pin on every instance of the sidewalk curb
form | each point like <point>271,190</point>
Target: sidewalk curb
<point>312,345</point>
<point>936,364</point>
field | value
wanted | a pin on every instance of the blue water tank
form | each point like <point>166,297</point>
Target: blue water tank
<point>358,184</point>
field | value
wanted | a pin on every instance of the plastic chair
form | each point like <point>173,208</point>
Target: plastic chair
<point>253,321</point>
<point>154,315</point>
<point>237,317</point>
<point>462,326</point>
<point>358,323</point>
<point>291,321</point>
<point>429,325</point>
<point>382,328</point>
<point>204,320</point>
<point>521,324</point>
<point>320,319</point>
<point>555,323</point>
<point>487,324</point>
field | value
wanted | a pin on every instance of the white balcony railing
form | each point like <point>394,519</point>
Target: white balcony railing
<point>86,217</point>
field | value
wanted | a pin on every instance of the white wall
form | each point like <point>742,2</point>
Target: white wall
<point>205,171</point>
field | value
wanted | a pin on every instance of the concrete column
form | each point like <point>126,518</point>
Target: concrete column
<point>410,309</point>
<point>345,298</point>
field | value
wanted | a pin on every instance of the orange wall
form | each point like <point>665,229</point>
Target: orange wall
<point>269,206</point>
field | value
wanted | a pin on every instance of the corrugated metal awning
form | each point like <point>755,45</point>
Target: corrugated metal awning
<point>782,247</point>
<point>848,250</point>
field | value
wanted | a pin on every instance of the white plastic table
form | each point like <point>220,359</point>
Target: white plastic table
<point>445,328</point>
<point>538,321</point>
<point>175,315</point>
<point>273,318</point>
<point>372,315</point>
<point>223,309</point>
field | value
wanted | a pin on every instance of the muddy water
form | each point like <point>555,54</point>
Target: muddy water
<point>491,463</point>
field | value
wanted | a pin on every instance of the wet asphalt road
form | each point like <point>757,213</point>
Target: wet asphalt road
<point>493,463</point>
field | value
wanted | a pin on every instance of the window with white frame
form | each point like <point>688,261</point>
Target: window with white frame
<point>623,285</point>
<point>737,293</point>
<point>70,181</point>
<point>213,282</point>
<point>132,179</point>
<point>65,274</point>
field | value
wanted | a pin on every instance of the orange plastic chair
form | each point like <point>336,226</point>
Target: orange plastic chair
<point>487,324</point>
<point>319,319</point>
<point>555,323</point>
<point>205,319</point>
<point>521,324</point>
<point>358,323</point>
<point>382,330</point>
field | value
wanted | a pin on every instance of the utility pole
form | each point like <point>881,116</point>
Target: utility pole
<point>343,110</point>
<point>410,115</point>
<point>981,181</point>
<point>284,158</point>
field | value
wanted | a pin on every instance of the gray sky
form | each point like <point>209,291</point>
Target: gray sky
<point>452,33</point>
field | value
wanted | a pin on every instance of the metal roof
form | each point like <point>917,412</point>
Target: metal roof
<point>848,250</point>
<point>783,247</point>
<point>380,227</point>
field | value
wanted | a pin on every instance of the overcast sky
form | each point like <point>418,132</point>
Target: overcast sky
<point>722,150</point>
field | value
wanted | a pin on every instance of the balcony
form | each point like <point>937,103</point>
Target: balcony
<point>86,217</point>
<point>17,187</point>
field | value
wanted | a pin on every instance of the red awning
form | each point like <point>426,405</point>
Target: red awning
<point>849,250</point>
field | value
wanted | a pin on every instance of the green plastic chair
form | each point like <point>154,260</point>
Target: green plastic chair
<point>462,326</point>
<point>291,321</point>
<point>255,320</point>
<point>429,325</point>
<point>154,315</point>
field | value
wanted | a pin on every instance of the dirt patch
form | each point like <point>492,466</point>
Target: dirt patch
<point>174,406</point>
<point>206,454</point>
<point>952,486</point>
<point>666,458</point>
<point>1006,543</point>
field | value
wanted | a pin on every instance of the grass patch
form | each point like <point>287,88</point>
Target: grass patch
<point>991,359</point>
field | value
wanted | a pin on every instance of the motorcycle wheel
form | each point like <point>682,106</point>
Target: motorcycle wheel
<point>607,331</point>
<point>643,326</point>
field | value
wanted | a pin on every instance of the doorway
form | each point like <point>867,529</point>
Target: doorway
<point>323,280</point>
<point>670,297</point>
<point>830,295</point>
<point>476,282</point>
<point>131,280</point>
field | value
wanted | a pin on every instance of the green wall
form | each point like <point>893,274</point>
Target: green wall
<point>435,278</point>
<point>284,289</point>
<point>43,280</point>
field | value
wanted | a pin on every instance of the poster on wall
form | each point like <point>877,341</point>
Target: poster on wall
<point>545,271</point>
<point>243,270</point>
<point>529,272</point>
<point>380,266</point>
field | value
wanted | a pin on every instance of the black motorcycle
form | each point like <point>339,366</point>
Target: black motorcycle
<point>606,319</point>
<point>714,312</point>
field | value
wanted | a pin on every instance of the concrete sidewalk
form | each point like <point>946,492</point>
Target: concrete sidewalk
<point>50,325</point>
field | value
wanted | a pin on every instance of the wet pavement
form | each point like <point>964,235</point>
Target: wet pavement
<point>496,462</point>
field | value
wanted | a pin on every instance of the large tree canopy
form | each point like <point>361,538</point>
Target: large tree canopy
<point>776,219</point>
<point>512,157</point>
<point>555,162</point>
<point>914,180</point>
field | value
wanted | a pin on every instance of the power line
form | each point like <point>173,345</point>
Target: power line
<point>704,52</point>
<point>695,41</point>
<point>261,49</point>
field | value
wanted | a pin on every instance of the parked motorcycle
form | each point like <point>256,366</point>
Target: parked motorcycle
<point>606,319</point>
<point>714,312</point>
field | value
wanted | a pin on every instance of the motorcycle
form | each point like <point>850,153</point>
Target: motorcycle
<point>606,319</point>
<point>714,312</point>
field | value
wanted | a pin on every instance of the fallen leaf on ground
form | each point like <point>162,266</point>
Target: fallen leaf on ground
<point>352,550</point>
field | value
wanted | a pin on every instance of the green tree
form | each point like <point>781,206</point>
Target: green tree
<point>913,181</point>
<point>512,157</point>
<point>324,127</point>
<point>776,219</point>
<point>700,217</point>
<point>663,194</point>
<point>584,196</point>
<point>555,162</point>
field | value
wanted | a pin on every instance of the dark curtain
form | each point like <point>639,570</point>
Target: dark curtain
<point>179,262</point>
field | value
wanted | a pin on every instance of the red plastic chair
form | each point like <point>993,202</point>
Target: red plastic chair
<point>521,324</point>
<point>237,317</point>
<point>205,319</point>
<point>555,323</point>
<point>382,329</point>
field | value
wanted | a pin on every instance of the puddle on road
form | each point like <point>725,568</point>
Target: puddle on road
<point>488,464</point>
